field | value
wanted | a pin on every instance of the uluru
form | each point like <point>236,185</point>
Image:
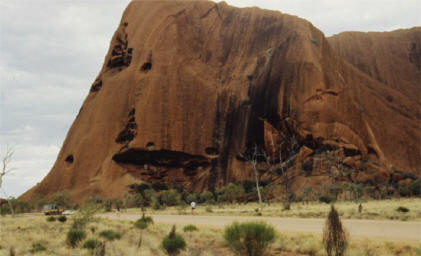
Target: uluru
<point>189,88</point>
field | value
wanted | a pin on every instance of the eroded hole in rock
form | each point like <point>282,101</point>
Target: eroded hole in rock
<point>121,55</point>
<point>69,159</point>
<point>212,151</point>
<point>150,145</point>
<point>96,86</point>
<point>125,136</point>
<point>146,66</point>
<point>162,158</point>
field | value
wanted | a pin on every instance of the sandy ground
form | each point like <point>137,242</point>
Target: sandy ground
<point>408,231</point>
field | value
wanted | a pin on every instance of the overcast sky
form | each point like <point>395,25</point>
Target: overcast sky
<point>51,51</point>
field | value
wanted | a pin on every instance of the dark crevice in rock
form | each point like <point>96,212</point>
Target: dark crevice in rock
<point>121,55</point>
<point>146,66</point>
<point>69,159</point>
<point>161,158</point>
<point>130,131</point>
<point>212,151</point>
<point>97,85</point>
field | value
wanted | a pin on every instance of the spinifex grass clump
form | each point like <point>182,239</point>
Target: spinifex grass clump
<point>110,235</point>
<point>74,237</point>
<point>37,247</point>
<point>51,219</point>
<point>334,235</point>
<point>189,228</point>
<point>249,238</point>
<point>173,243</point>
<point>62,218</point>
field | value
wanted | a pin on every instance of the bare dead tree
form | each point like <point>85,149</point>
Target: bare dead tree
<point>7,158</point>
<point>253,158</point>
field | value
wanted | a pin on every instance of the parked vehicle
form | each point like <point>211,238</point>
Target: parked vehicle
<point>52,209</point>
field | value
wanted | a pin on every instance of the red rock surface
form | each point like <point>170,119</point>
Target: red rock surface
<point>189,85</point>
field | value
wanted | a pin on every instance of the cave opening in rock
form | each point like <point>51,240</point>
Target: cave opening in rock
<point>69,159</point>
<point>162,158</point>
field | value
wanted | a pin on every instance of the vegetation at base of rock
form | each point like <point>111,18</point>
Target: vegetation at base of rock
<point>249,238</point>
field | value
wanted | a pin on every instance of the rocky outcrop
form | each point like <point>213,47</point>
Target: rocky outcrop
<point>209,82</point>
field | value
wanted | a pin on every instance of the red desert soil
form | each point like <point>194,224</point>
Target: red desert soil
<point>187,86</point>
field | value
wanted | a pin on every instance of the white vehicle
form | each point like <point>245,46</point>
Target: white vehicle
<point>68,212</point>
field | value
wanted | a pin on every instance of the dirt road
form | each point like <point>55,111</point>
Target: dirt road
<point>408,231</point>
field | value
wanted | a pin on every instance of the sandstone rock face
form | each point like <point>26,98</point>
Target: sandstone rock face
<point>188,86</point>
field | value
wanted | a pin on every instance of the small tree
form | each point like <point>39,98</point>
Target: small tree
<point>334,235</point>
<point>173,243</point>
<point>142,224</point>
<point>7,158</point>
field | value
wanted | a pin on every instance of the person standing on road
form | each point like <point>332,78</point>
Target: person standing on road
<point>193,206</point>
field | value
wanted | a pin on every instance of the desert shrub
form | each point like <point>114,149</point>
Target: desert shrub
<point>37,247</point>
<point>84,216</point>
<point>191,198</point>
<point>94,200</point>
<point>208,209</point>
<point>231,193</point>
<point>249,238</point>
<point>190,228</point>
<point>334,235</point>
<point>74,237</point>
<point>173,243</point>
<point>326,199</point>
<point>415,187</point>
<point>110,235</point>
<point>51,218</point>
<point>314,41</point>
<point>207,197</point>
<point>62,218</point>
<point>92,244</point>
<point>170,197</point>
<point>402,209</point>
<point>108,205</point>
<point>143,222</point>
<point>156,204</point>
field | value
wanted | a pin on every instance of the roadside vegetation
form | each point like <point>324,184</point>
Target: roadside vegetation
<point>33,235</point>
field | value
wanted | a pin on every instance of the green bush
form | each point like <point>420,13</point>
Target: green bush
<point>249,238</point>
<point>402,209</point>
<point>207,197</point>
<point>110,235</point>
<point>326,199</point>
<point>92,244</point>
<point>143,222</point>
<point>170,197</point>
<point>37,247</point>
<point>173,243</point>
<point>62,218</point>
<point>74,237</point>
<point>51,218</point>
<point>190,228</point>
